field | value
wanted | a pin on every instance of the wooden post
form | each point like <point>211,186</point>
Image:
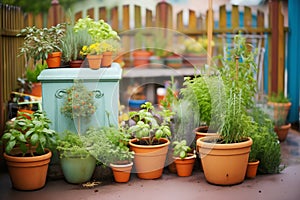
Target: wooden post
<point>274,10</point>
<point>209,32</point>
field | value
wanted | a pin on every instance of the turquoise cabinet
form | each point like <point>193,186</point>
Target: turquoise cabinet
<point>104,82</point>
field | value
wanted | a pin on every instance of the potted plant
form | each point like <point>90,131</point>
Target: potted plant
<point>43,44</point>
<point>93,53</point>
<point>31,75</point>
<point>150,131</point>
<point>109,47</point>
<point>27,144</point>
<point>229,167</point>
<point>78,105</point>
<point>280,106</point>
<point>265,147</point>
<point>184,158</point>
<point>72,44</point>
<point>115,152</point>
<point>198,91</point>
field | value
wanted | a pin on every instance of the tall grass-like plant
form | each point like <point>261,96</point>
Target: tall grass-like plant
<point>237,73</point>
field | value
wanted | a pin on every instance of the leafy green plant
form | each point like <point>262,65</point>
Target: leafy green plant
<point>240,87</point>
<point>151,124</point>
<point>78,103</point>
<point>181,149</point>
<point>73,43</point>
<point>29,131</point>
<point>278,98</point>
<point>39,42</point>
<point>98,30</point>
<point>32,74</point>
<point>265,147</point>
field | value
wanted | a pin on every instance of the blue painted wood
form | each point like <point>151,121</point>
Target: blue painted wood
<point>105,84</point>
<point>293,67</point>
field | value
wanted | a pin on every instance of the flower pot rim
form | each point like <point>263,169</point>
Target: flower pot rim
<point>121,165</point>
<point>166,143</point>
<point>22,159</point>
<point>279,104</point>
<point>285,126</point>
<point>201,142</point>
<point>189,157</point>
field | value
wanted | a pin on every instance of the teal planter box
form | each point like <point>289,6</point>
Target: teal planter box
<point>105,84</point>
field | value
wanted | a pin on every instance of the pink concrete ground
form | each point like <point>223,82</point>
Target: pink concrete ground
<point>283,186</point>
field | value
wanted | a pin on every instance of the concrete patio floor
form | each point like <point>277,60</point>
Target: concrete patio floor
<point>283,186</point>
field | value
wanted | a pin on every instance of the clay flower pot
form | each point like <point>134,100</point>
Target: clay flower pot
<point>36,89</point>
<point>224,164</point>
<point>28,173</point>
<point>94,61</point>
<point>280,110</point>
<point>106,59</point>
<point>184,167</point>
<point>54,59</point>
<point>76,63</point>
<point>141,58</point>
<point>121,172</point>
<point>252,169</point>
<point>149,160</point>
<point>282,131</point>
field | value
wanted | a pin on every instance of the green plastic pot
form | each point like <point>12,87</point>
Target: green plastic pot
<point>78,170</point>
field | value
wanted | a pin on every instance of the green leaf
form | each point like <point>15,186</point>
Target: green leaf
<point>34,138</point>
<point>9,146</point>
<point>21,138</point>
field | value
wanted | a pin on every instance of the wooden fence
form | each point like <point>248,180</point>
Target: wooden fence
<point>13,20</point>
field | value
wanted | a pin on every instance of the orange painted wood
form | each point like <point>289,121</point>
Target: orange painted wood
<point>192,20</point>
<point>126,18</point>
<point>179,21</point>
<point>90,12</point>
<point>103,13</point>
<point>137,17</point>
<point>281,43</point>
<point>247,17</point>
<point>78,15</point>
<point>149,22</point>
<point>222,16</point>
<point>115,18</point>
<point>235,17</point>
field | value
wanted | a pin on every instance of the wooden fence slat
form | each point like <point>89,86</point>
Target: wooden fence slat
<point>149,21</point>
<point>126,18</point>
<point>103,13</point>
<point>90,13</point>
<point>179,21</point>
<point>192,20</point>
<point>137,17</point>
<point>78,15</point>
<point>235,17</point>
<point>164,16</point>
<point>222,16</point>
<point>200,23</point>
<point>247,17</point>
<point>115,18</point>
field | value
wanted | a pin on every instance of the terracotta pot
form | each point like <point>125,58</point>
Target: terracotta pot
<point>121,172</point>
<point>28,173</point>
<point>76,63</point>
<point>149,160</point>
<point>36,89</point>
<point>282,131</point>
<point>106,59</point>
<point>252,169</point>
<point>224,164</point>
<point>184,167</point>
<point>54,59</point>
<point>203,131</point>
<point>174,61</point>
<point>141,58</point>
<point>280,111</point>
<point>94,61</point>
<point>24,111</point>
